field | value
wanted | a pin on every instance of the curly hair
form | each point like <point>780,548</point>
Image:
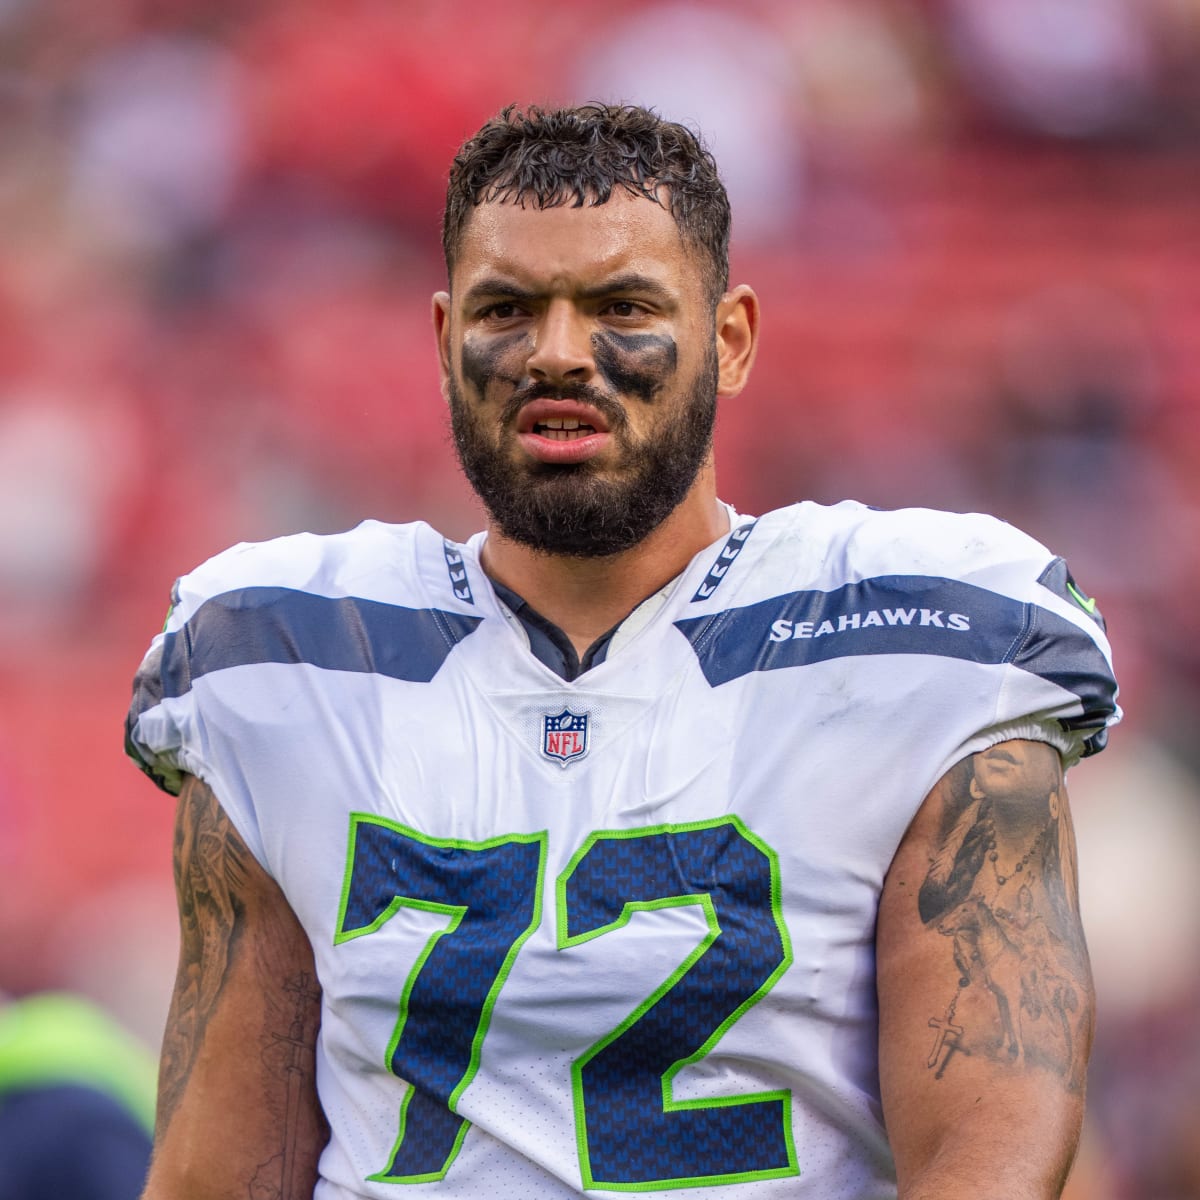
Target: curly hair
<point>578,156</point>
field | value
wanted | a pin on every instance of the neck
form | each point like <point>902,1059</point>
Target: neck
<point>585,597</point>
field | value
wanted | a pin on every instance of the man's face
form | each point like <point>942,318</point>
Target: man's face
<point>580,366</point>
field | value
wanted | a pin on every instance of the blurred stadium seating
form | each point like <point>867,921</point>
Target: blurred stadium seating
<point>976,234</point>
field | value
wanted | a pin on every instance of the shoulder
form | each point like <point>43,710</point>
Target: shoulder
<point>375,599</point>
<point>1014,601</point>
<point>373,557</point>
<point>857,542</point>
<point>329,600</point>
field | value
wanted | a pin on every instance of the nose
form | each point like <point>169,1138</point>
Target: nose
<point>562,350</point>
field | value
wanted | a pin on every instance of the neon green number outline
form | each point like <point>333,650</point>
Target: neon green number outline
<point>704,902</point>
<point>455,912</point>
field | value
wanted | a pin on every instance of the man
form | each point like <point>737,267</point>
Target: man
<point>585,857</point>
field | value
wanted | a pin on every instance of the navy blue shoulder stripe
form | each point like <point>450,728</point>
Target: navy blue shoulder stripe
<point>281,625</point>
<point>905,614</point>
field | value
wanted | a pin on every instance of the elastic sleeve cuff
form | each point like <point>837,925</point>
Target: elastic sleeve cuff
<point>1069,745</point>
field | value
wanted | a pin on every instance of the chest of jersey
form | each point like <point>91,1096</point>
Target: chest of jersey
<point>550,902</point>
<point>614,934</point>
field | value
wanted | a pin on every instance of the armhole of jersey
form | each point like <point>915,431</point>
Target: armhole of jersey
<point>1027,729</point>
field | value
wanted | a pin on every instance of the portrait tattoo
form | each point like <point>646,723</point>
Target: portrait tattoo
<point>1001,889</point>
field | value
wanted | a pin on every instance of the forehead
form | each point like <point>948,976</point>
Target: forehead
<point>574,244</point>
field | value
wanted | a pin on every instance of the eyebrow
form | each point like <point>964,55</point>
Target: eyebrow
<point>496,285</point>
<point>630,281</point>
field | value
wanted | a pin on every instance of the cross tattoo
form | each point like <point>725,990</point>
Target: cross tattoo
<point>947,1040</point>
<point>303,989</point>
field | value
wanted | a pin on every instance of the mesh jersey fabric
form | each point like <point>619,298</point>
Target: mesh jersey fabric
<point>615,933</point>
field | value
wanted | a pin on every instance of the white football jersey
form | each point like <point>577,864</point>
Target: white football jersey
<point>613,934</point>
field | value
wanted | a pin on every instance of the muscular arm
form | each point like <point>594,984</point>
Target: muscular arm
<point>985,992</point>
<point>237,1108</point>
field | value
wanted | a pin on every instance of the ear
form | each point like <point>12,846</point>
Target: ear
<point>737,339</point>
<point>441,329</point>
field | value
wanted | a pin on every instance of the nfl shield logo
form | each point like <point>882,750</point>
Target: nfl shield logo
<point>565,736</point>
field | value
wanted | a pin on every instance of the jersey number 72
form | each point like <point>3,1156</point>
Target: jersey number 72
<point>631,1133</point>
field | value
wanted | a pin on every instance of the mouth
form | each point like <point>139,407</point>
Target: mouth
<point>561,431</point>
<point>994,755</point>
<point>560,419</point>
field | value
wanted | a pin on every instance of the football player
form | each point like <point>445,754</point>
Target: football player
<point>635,843</point>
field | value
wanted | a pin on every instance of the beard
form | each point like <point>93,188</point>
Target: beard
<point>571,509</point>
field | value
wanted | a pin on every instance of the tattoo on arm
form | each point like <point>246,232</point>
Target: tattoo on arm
<point>1001,890</point>
<point>227,908</point>
<point>210,876</point>
<point>287,1055</point>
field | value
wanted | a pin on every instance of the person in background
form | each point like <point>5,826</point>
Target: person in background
<point>76,1102</point>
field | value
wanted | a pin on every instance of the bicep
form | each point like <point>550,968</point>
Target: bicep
<point>984,986</point>
<point>238,1061</point>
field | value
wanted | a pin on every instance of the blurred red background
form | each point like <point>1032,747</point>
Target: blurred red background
<point>975,232</point>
